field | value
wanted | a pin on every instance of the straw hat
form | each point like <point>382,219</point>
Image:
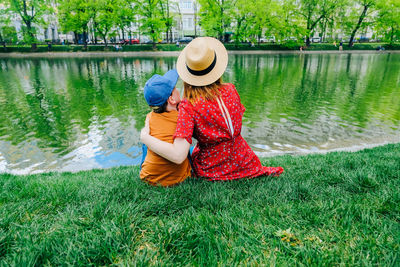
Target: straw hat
<point>202,61</point>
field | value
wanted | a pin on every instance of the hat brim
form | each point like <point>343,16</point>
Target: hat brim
<point>214,74</point>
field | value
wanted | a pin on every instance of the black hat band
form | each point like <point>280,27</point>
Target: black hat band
<point>205,71</point>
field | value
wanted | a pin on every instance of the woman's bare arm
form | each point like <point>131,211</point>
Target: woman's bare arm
<point>175,152</point>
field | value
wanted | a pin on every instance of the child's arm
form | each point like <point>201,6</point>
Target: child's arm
<point>176,152</point>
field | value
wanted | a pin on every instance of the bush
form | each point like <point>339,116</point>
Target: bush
<point>137,47</point>
<point>323,47</point>
<point>169,47</point>
<point>9,34</point>
<point>392,46</point>
<point>244,46</point>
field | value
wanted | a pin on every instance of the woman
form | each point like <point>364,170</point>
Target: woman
<point>211,112</point>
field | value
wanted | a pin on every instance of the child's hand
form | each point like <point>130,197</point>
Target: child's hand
<point>146,130</point>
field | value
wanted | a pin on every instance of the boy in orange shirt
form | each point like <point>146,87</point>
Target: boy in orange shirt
<point>163,98</point>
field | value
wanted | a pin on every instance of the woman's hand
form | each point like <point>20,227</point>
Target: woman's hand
<point>145,132</point>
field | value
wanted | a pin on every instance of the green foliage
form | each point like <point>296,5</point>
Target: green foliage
<point>31,12</point>
<point>336,209</point>
<point>360,17</point>
<point>242,20</point>
<point>9,34</point>
<point>153,23</point>
<point>29,35</point>
<point>315,11</point>
<point>285,22</point>
<point>125,16</point>
<point>215,16</point>
<point>74,15</point>
<point>392,46</point>
<point>106,15</point>
<point>389,20</point>
<point>167,16</point>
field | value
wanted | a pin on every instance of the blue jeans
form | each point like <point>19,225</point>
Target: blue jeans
<point>144,154</point>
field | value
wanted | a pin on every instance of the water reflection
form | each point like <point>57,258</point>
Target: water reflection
<point>319,102</point>
<point>74,114</point>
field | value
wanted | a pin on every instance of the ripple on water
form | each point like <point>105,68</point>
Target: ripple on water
<point>75,114</point>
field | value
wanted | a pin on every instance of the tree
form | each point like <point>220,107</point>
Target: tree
<point>74,15</point>
<point>125,15</point>
<point>4,20</point>
<point>242,17</point>
<point>314,11</point>
<point>105,18</point>
<point>153,23</point>
<point>8,35</point>
<point>31,13</point>
<point>196,17</point>
<point>366,7</point>
<point>287,22</point>
<point>215,16</point>
<point>167,17</point>
<point>388,21</point>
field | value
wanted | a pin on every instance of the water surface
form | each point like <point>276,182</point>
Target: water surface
<point>75,114</point>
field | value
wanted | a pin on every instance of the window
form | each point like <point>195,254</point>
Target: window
<point>185,4</point>
<point>188,23</point>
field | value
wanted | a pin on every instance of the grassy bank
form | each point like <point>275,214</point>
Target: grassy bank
<point>336,209</point>
<point>173,47</point>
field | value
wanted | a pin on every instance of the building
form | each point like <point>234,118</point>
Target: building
<point>188,18</point>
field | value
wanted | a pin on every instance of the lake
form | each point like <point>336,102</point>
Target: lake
<point>71,114</point>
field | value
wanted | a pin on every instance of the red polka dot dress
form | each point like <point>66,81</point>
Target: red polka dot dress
<point>219,154</point>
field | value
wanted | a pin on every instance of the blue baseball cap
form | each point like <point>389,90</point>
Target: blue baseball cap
<point>158,88</point>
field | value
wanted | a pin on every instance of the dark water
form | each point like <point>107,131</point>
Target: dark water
<point>75,114</point>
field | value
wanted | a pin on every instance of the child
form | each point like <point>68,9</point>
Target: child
<point>163,98</point>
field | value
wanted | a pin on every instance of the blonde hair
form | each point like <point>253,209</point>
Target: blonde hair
<point>208,92</point>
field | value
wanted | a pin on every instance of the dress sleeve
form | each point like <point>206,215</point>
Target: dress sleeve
<point>185,124</point>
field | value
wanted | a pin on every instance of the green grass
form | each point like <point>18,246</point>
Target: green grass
<point>341,208</point>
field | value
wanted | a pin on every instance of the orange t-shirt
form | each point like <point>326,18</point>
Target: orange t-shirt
<point>157,170</point>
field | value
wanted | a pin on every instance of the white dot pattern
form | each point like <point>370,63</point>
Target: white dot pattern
<point>217,155</point>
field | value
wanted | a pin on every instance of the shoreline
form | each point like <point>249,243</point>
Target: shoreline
<point>176,53</point>
<point>263,156</point>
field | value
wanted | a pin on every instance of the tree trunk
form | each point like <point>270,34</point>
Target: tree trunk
<point>85,39</point>
<point>75,37</point>
<point>323,31</point>
<point>3,42</point>
<point>308,34</point>
<point>195,18</point>
<point>360,20</point>
<point>169,26</point>
<point>31,35</point>
<point>391,35</point>
<point>94,32</point>
<point>308,42</point>
<point>222,23</point>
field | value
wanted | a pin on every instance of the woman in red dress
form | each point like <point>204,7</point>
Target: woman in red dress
<point>211,112</point>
